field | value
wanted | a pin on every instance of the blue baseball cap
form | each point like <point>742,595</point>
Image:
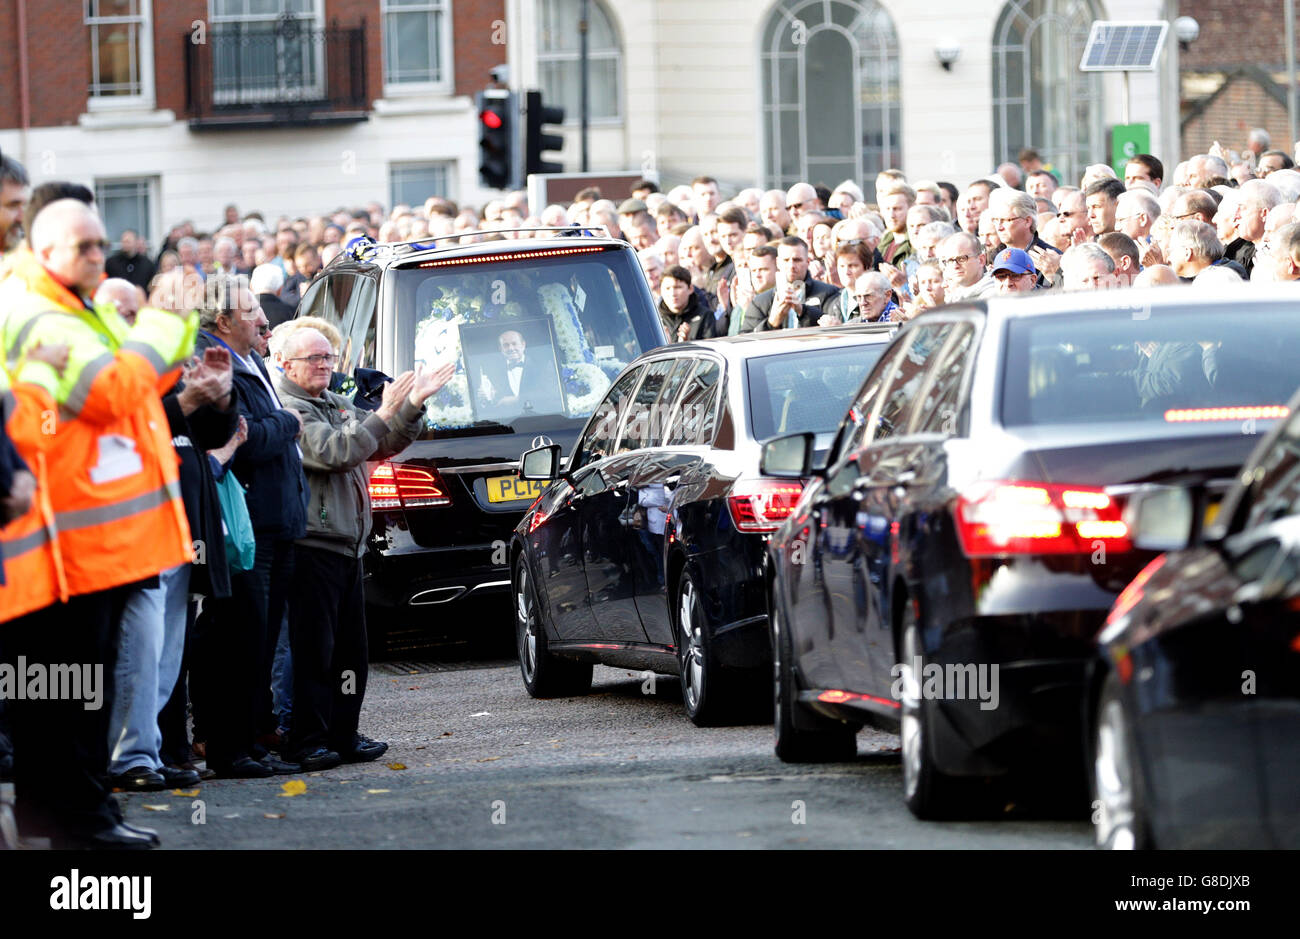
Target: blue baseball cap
<point>1015,261</point>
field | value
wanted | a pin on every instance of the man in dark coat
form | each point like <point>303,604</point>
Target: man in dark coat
<point>516,383</point>
<point>792,266</point>
<point>130,262</point>
<point>269,465</point>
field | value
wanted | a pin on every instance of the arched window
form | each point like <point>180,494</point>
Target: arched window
<point>1040,98</point>
<point>560,66</point>
<point>831,102</point>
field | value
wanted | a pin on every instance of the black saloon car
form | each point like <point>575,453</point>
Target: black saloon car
<point>950,565</point>
<point>539,328</point>
<point>1196,723</point>
<point>647,552</point>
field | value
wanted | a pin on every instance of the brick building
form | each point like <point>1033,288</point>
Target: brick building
<point>171,109</point>
<point>1233,77</point>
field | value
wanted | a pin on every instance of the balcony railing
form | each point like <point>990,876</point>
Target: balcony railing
<point>275,74</point>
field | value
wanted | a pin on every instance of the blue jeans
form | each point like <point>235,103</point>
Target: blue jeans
<point>149,648</point>
<point>282,677</point>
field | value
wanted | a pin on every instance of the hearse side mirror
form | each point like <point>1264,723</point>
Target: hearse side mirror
<point>788,457</point>
<point>541,463</point>
<point>1161,519</point>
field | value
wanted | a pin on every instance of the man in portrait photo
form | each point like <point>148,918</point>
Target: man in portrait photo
<point>516,383</point>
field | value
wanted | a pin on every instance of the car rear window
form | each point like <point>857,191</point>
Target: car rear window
<point>533,334</point>
<point>1172,365</point>
<point>806,391</point>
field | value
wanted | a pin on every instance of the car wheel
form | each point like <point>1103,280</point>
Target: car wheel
<point>545,675</point>
<point>708,690</point>
<point>828,741</point>
<point>928,792</point>
<point>1119,815</point>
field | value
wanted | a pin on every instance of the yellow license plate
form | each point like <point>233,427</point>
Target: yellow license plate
<point>514,489</point>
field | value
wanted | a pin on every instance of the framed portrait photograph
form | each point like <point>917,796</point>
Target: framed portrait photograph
<point>512,369</point>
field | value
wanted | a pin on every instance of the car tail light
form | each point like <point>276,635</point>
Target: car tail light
<point>1013,517</point>
<point>399,486</point>
<point>763,504</point>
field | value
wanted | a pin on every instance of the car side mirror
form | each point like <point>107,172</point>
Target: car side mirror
<point>789,457</point>
<point>541,464</point>
<point>1161,519</point>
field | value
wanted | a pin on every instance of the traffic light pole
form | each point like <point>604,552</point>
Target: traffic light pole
<point>583,61</point>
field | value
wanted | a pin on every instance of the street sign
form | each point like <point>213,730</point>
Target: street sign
<point>1126,142</point>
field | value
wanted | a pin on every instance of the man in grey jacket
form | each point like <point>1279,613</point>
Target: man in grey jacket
<point>327,627</point>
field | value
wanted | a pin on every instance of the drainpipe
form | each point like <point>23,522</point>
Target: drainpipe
<point>24,91</point>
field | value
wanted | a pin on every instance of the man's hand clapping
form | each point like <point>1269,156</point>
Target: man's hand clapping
<point>429,383</point>
<point>397,389</point>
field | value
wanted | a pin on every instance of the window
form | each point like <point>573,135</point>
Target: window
<point>348,302</point>
<point>897,404</point>
<point>832,105</point>
<point>694,420</point>
<point>412,183</point>
<point>1040,98</point>
<point>799,392</point>
<point>417,44</point>
<point>603,429</point>
<point>126,204</point>
<point>643,426</point>
<point>559,64</point>
<point>938,413</point>
<point>267,50</point>
<point>121,52</point>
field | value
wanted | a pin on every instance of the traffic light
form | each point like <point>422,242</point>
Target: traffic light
<point>496,134</point>
<point>536,140</point>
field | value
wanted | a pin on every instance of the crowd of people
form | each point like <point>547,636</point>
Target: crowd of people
<point>182,488</point>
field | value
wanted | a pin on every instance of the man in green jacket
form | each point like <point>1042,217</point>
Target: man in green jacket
<point>327,627</point>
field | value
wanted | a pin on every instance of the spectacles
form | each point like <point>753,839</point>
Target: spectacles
<point>959,259</point>
<point>1181,218</point>
<point>264,330</point>
<point>84,248</point>
<point>316,360</point>
<point>1007,221</point>
<point>1007,275</point>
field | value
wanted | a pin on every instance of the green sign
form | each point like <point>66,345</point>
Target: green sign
<point>1126,142</point>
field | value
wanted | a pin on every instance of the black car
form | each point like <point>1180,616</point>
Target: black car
<point>947,570</point>
<point>538,327</point>
<point>1196,690</point>
<point>647,552</point>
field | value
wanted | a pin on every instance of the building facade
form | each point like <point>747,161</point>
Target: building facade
<point>172,109</point>
<point>767,93</point>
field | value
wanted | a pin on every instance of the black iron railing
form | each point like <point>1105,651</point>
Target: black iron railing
<point>273,73</point>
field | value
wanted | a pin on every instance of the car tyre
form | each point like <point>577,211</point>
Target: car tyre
<point>711,693</point>
<point>825,740</point>
<point>545,675</point>
<point>928,791</point>
<point>1120,820</point>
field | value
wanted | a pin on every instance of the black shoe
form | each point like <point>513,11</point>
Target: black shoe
<point>138,779</point>
<point>147,832</point>
<point>244,768</point>
<point>317,759</point>
<point>280,767</point>
<point>117,838</point>
<point>363,750</point>
<point>178,778</point>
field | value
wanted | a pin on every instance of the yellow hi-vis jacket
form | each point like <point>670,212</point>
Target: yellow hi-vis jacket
<point>110,472</point>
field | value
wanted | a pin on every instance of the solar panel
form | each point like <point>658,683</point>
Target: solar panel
<point>1118,46</point>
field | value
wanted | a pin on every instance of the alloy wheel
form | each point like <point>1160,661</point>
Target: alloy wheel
<point>911,730</point>
<point>692,651</point>
<point>1114,780</point>
<point>527,625</point>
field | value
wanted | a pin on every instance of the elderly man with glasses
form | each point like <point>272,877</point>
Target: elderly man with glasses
<point>964,275</point>
<point>327,625</point>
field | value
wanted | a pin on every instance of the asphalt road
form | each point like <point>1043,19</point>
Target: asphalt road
<point>475,763</point>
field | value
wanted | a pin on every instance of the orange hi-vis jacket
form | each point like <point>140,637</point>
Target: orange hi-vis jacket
<point>110,472</point>
<point>32,578</point>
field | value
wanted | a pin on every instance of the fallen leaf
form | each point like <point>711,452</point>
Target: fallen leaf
<point>419,748</point>
<point>487,759</point>
<point>187,793</point>
<point>445,733</point>
<point>482,714</point>
<point>272,815</point>
<point>375,792</point>
<point>413,688</point>
<point>344,782</point>
<point>395,766</point>
<point>158,808</point>
<point>294,787</point>
<point>236,815</point>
